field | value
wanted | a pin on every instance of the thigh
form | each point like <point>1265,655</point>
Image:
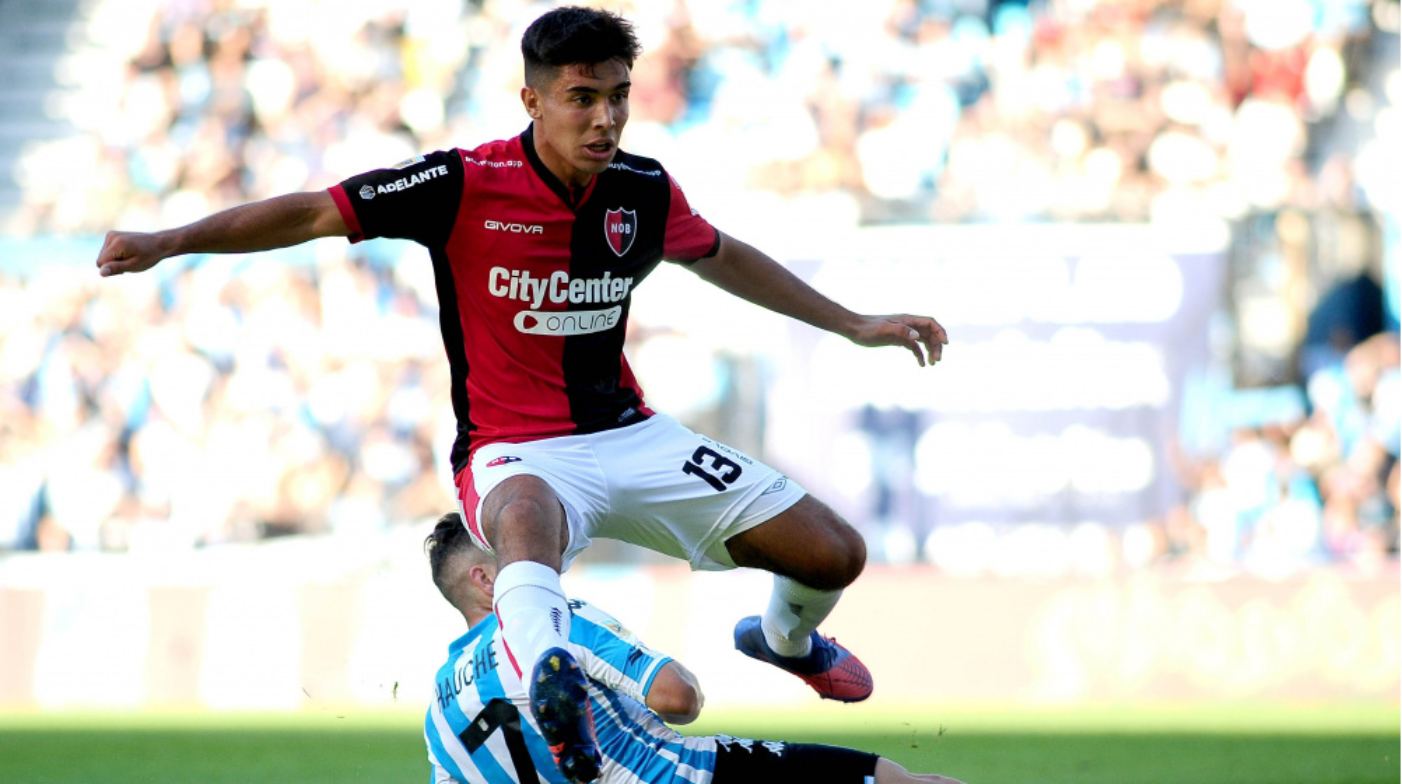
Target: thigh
<point>808,541</point>
<point>564,464</point>
<point>682,494</point>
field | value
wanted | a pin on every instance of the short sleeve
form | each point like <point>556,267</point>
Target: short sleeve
<point>612,655</point>
<point>689,237</point>
<point>416,200</point>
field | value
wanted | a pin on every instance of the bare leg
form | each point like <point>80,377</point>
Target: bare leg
<point>525,523</point>
<point>807,542</point>
<point>888,772</point>
<point>813,554</point>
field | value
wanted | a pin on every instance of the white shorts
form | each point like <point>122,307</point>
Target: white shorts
<point>656,484</point>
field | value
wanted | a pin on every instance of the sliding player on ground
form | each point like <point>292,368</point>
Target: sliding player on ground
<point>478,729</point>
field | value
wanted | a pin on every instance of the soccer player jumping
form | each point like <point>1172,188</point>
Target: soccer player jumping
<point>537,243</point>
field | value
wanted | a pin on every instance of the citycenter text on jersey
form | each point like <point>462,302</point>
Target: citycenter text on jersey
<point>558,288</point>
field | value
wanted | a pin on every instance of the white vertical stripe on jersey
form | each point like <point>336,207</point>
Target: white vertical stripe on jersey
<point>451,744</point>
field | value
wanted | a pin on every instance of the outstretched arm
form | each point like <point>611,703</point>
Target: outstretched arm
<point>751,275</point>
<point>262,225</point>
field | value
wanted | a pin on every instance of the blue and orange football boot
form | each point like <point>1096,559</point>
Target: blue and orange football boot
<point>830,669</point>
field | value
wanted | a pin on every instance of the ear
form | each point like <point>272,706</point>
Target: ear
<point>531,100</point>
<point>482,579</point>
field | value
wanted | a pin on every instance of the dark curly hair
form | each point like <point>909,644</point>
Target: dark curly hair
<point>572,34</point>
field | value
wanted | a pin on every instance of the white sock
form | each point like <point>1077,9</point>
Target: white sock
<point>533,611</point>
<point>794,611</point>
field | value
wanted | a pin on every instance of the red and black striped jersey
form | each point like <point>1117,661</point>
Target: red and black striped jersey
<point>534,281</point>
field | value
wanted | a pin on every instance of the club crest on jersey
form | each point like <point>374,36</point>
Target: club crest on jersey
<point>620,227</point>
<point>503,460</point>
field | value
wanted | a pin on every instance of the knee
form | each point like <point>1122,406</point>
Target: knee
<point>518,517</point>
<point>842,557</point>
<point>854,549</point>
<point>809,543</point>
<point>524,521</point>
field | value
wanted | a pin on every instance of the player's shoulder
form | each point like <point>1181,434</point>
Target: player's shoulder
<point>626,164</point>
<point>597,621</point>
<point>582,609</point>
<point>497,155</point>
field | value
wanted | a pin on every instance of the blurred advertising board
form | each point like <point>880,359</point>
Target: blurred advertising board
<point>322,623</point>
<point>1058,397</point>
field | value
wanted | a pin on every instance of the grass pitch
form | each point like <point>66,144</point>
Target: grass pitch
<point>1108,745</point>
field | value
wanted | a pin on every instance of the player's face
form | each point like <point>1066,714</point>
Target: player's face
<point>579,117</point>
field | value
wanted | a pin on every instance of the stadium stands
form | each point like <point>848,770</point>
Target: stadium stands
<point>1234,113</point>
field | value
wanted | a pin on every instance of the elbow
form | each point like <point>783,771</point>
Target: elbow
<point>675,695</point>
<point>683,707</point>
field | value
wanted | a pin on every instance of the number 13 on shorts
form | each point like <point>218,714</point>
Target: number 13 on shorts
<point>713,468</point>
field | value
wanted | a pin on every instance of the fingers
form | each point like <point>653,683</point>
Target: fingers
<point>924,332</point>
<point>912,342</point>
<point>118,255</point>
<point>109,257</point>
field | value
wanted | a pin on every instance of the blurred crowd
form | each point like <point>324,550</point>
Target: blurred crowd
<point>226,402</point>
<point>240,398</point>
<point>888,110</point>
<point>1306,474</point>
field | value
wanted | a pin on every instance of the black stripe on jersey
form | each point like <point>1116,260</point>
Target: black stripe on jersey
<point>592,363</point>
<point>450,324</point>
<point>498,714</point>
<point>438,217</point>
<point>568,196</point>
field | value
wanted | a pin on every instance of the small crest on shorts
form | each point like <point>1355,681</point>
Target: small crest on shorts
<point>503,460</point>
<point>620,227</point>
<point>779,484</point>
<point>367,192</point>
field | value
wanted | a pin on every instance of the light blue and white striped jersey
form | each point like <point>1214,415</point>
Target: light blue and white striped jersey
<point>479,729</point>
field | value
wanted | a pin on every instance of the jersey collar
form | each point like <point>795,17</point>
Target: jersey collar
<point>572,198</point>
<point>485,626</point>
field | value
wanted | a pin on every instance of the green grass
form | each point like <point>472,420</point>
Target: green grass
<point>1107,745</point>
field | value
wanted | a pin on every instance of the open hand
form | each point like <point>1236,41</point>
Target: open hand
<point>921,334</point>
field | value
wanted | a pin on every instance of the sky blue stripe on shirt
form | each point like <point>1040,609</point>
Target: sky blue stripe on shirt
<point>453,715</point>
<point>620,654</point>
<point>489,687</point>
<point>642,746</point>
<point>482,757</point>
<point>452,712</point>
<point>435,744</point>
<point>624,747</point>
